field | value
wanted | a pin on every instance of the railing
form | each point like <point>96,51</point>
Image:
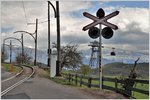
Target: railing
<point>80,80</point>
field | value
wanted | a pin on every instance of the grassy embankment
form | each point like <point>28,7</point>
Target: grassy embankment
<point>7,67</point>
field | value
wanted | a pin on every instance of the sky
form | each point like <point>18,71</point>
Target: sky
<point>132,22</point>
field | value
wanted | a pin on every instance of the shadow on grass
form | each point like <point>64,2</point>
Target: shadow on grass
<point>61,81</point>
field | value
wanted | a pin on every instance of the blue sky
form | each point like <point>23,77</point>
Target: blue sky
<point>118,4</point>
<point>141,4</point>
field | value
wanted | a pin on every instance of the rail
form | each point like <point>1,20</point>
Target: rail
<point>14,75</point>
<point>18,83</point>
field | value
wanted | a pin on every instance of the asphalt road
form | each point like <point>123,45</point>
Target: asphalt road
<point>40,88</point>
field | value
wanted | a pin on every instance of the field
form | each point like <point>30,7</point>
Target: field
<point>112,84</point>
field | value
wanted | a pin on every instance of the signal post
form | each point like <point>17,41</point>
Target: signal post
<point>95,32</point>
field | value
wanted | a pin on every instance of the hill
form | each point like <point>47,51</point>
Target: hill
<point>123,69</point>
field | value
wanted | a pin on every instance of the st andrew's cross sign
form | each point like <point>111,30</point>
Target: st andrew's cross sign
<point>102,20</point>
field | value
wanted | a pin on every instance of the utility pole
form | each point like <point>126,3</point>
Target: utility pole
<point>22,49</point>
<point>58,40</point>
<point>3,52</point>
<point>10,50</point>
<point>36,41</point>
<point>49,49</point>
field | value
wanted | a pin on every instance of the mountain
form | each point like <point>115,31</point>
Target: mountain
<point>41,55</point>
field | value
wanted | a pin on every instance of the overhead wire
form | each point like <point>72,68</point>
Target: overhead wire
<point>125,50</point>
<point>24,12</point>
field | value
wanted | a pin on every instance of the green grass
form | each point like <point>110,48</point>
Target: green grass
<point>135,94</point>
<point>16,69</point>
<point>140,95</point>
<point>112,84</point>
<point>60,80</point>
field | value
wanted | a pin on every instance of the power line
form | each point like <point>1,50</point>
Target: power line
<point>126,50</point>
<point>24,12</point>
<point>38,23</point>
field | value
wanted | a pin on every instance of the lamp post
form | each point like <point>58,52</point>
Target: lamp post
<point>11,44</point>
<point>56,11</point>
<point>35,39</point>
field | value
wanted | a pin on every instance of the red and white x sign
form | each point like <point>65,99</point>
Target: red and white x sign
<point>100,21</point>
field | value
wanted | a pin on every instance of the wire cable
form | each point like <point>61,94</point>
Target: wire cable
<point>24,12</point>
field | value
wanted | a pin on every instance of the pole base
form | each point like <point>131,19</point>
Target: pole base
<point>34,62</point>
<point>58,68</point>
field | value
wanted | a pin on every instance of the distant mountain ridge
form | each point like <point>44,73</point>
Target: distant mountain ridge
<point>41,55</point>
<point>122,69</point>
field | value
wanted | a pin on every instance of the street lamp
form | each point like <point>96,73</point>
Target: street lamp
<point>56,11</point>
<point>10,44</point>
<point>35,39</point>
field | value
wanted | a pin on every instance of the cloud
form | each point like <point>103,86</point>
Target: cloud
<point>133,32</point>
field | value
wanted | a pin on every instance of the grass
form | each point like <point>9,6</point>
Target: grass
<point>61,80</point>
<point>140,95</point>
<point>112,84</point>
<point>7,67</point>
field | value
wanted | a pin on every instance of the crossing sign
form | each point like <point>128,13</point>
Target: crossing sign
<point>102,20</point>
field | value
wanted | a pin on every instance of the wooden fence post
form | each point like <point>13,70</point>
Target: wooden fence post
<point>89,82</point>
<point>81,80</point>
<point>76,79</point>
<point>102,82</point>
<point>116,84</point>
<point>69,77</point>
<point>72,78</point>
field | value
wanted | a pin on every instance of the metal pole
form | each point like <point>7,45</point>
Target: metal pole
<point>100,67</point>
<point>3,50</point>
<point>49,49</point>
<point>58,40</point>
<point>10,50</point>
<point>22,49</point>
<point>36,42</point>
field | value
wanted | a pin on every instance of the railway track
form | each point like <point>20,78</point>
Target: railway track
<point>12,82</point>
<point>7,79</point>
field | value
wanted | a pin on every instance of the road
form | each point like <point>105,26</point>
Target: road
<point>43,88</point>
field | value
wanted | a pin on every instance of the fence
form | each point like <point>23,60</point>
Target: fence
<point>88,81</point>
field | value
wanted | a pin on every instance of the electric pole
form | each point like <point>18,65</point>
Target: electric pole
<point>58,40</point>
<point>10,50</point>
<point>49,49</point>
<point>36,41</point>
<point>22,49</point>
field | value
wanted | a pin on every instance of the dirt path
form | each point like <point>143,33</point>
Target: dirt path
<point>42,88</point>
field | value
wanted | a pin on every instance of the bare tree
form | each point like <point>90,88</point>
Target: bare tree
<point>26,58</point>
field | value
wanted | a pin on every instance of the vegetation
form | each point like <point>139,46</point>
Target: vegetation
<point>118,69</point>
<point>26,58</point>
<point>70,57</point>
<point>85,69</point>
<point>7,68</point>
